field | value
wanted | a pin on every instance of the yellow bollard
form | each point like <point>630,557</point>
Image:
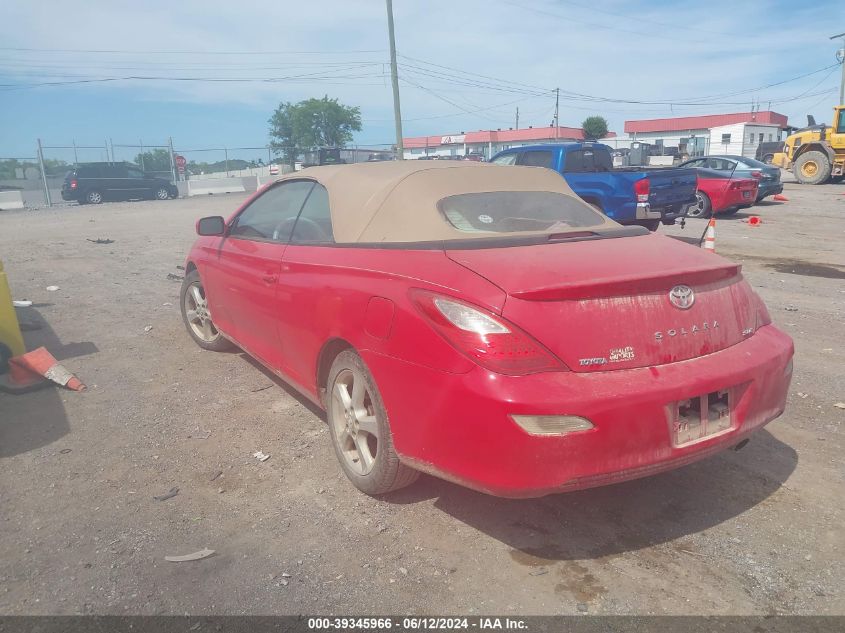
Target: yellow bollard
<point>10,331</point>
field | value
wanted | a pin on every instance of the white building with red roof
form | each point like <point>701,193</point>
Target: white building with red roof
<point>488,142</point>
<point>737,133</point>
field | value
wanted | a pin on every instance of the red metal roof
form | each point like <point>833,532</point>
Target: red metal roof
<point>679,124</point>
<point>501,136</point>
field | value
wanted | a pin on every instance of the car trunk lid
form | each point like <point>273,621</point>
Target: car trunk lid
<point>605,304</point>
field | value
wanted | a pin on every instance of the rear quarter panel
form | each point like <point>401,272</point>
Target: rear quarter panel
<point>324,293</point>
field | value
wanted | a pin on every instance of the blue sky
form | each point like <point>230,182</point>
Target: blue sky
<point>466,65</point>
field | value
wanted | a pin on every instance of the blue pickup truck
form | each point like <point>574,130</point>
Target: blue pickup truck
<point>629,195</point>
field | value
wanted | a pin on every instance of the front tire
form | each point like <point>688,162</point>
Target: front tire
<point>360,430</point>
<point>702,208</point>
<point>197,317</point>
<point>812,168</point>
<point>162,193</point>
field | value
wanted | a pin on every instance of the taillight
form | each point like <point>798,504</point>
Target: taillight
<point>641,188</point>
<point>489,340</point>
<point>73,184</point>
<point>757,174</point>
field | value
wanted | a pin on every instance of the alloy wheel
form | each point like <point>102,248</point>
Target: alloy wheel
<point>197,314</point>
<point>354,420</point>
<point>162,194</point>
<point>699,208</point>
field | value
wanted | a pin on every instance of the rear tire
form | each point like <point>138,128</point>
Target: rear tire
<point>196,316</point>
<point>651,225</point>
<point>161,193</point>
<point>701,208</point>
<point>812,168</point>
<point>360,430</point>
<point>94,196</point>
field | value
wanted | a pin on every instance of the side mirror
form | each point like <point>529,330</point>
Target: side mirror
<point>212,225</point>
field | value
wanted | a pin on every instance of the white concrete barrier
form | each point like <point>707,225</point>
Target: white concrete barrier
<point>206,186</point>
<point>661,160</point>
<point>11,200</point>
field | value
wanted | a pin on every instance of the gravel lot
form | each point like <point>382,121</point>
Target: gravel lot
<point>749,532</point>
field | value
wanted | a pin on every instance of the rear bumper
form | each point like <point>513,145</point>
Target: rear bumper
<point>457,426</point>
<point>69,195</point>
<point>769,190</point>
<point>668,215</point>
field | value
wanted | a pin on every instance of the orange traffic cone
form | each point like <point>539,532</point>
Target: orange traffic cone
<point>710,236</point>
<point>20,380</point>
<point>779,197</point>
<point>29,371</point>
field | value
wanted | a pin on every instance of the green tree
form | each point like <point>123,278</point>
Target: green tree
<point>595,127</point>
<point>310,124</point>
<point>156,160</point>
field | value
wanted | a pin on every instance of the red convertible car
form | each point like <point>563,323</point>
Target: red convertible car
<point>483,324</point>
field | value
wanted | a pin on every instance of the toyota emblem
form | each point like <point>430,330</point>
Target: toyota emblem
<point>682,297</point>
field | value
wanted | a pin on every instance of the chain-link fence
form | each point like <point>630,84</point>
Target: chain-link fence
<point>39,177</point>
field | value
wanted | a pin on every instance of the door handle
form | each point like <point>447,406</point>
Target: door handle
<point>270,279</point>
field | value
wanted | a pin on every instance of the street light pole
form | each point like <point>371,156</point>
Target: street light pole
<point>394,78</point>
<point>842,80</point>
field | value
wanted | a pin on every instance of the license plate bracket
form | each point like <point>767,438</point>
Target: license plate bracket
<point>702,417</point>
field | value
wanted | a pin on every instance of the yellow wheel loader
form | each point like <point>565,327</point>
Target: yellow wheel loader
<point>816,154</point>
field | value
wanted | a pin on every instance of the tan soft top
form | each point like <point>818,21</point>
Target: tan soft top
<point>396,201</point>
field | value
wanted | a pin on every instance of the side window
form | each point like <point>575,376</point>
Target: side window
<point>840,127</point>
<point>314,225</point>
<point>507,159</point>
<point>136,173</point>
<point>116,171</point>
<point>272,215</point>
<point>574,162</point>
<point>536,159</point>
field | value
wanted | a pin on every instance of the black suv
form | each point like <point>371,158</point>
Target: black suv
<point>92,183</point>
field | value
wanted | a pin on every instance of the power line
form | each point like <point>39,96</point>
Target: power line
<point>182,52</point>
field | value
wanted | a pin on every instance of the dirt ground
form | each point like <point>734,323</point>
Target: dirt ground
<point>757,531</point>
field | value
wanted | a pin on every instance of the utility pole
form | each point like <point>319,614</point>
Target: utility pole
<point>517,117</point>
<point>44,175</point>
<point>557,107</point>
<point>172,162</point>
<point>841,81</point>
<point>75,157</point>
<point>141,141</point>
<point>394,78</point>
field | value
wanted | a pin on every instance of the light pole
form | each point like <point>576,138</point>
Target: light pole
<point>841,81</point>
<point>394,78</point>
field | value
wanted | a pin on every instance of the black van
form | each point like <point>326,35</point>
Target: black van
<point>93,183</point>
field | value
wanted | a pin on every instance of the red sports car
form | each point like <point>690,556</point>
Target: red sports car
<point>483,324</point>
<point>721,193</point>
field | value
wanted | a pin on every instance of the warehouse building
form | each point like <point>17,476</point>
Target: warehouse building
<point>487,143</point>
<point>738,133</point>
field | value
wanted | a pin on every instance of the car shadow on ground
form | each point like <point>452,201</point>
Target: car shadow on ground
<point>625,517</point>
<point>33,420</point>
<point>293,393</point>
